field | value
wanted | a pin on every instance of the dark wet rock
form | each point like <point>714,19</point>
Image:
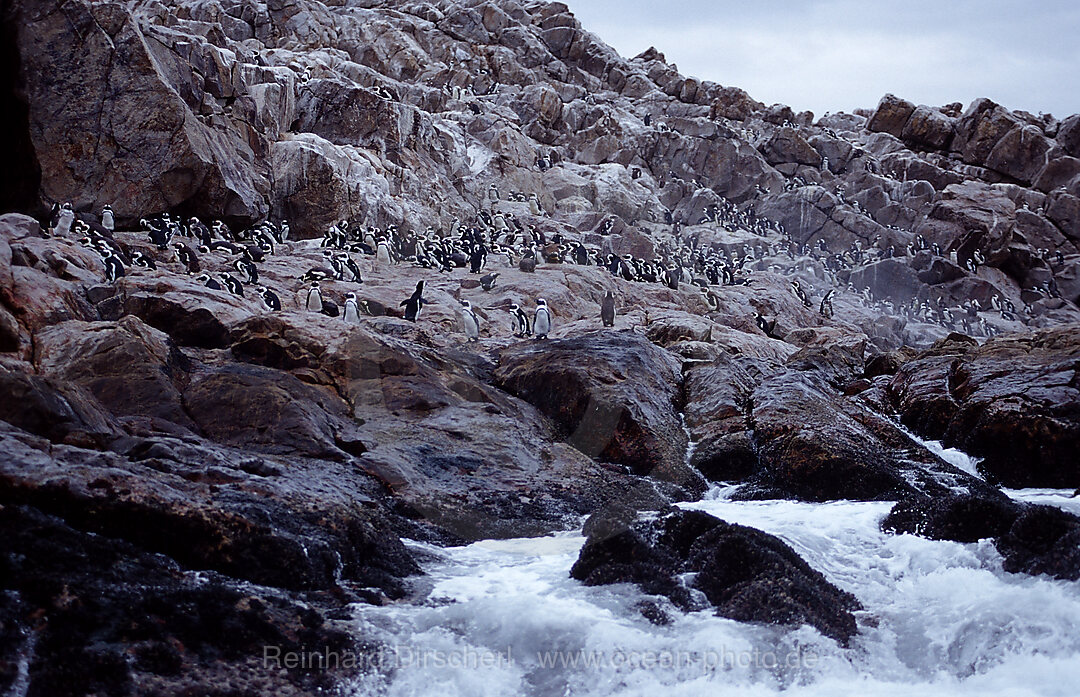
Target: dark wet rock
<point>1012,401</point>
<point>107,615</point>
<point>747,575</point>
<point>960,518</point>
<point>1043,540</point>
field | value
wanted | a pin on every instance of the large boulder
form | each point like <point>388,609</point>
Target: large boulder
<point>746,574</point>
<point>1012,401</point>
<point>613,396</point>
<point>891,115</point>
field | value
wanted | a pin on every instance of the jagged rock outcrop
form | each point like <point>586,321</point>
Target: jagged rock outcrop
<point>744,573</point>
<point>1012,401</point>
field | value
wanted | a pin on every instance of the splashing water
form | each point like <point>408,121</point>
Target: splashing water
<point>940,618</point>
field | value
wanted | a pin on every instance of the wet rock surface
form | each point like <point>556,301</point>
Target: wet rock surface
<point>747,575</point>
<point>178,457</point>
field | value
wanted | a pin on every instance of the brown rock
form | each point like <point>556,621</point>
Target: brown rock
<point>891,115</point>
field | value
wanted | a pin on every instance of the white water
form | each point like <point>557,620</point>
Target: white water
<point>941,618</point>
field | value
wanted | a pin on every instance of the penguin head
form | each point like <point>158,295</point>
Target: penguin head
<point>466,304</point>
<point>314,285</point>
<point>541,301</point>
<point>350,296</point>
<point>514,307</point>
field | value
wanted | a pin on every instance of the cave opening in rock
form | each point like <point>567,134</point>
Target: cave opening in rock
<point>20,177</point>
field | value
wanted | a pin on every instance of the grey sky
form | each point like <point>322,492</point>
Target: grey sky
<point>833,55</point>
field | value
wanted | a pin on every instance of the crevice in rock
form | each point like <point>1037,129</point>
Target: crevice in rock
<point>20,177</point>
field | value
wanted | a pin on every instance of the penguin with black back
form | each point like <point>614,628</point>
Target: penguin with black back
<point>607,310</point>
<point>414,303</point>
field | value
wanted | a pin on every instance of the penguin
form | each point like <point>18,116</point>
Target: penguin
<point>764,325</point>
<point>187,257</point>
<point>344,258</point>
<point>541,319</point>
<point>534,204</point>
<point>140,259</point>
<point>528,263</point>
<point>248,268</point>
<point>270,299</point>
<point>108,220</point>
<point>352,310</point>
<point>382,252</point>
<point>414,303</point>
<point>314,302</point>
<point>471,322</point>
<point>114,268</point>
<point>233,285</point>
<point>488,282</point>
<point>519,321</point>
<point>607,310</point>
<point>208,282</point>
<point>493,192</point>
<point>64,221</point>
<point>477,259</point>
<point>826,308</point>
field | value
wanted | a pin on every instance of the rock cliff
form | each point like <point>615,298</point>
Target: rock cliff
<point>189,474</point>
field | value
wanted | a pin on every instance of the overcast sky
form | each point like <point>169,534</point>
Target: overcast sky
<point>838,55</point>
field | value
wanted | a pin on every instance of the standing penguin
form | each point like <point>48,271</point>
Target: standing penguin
<point>64,221</point>
<point>534,204</point>
<point>471,321</point>
<point>541,319</point>
<point>108,220</point>
<point>352,310</point>
<point>519,321</point>
<point>314,301</point>
<point>414,303</point>
<point>607,310</point>
<point>382,252</point>
<point>826,308</point>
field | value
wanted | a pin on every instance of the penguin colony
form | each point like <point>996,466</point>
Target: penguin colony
<point>497,238</point>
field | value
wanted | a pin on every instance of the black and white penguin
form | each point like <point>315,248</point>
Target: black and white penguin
<point>534,204</point>
<point>493,192</point>
<point>352,311</point>
<point>232,284</point>
<point>208,282</point>
<point>477,258</point>
<point>826,308</point>
<point>382,252</point>
<point>64,220</point>
<point>187,257</point>
<point>108,220</point>
<point>519,321</point>
<point>471,321</point>
<point>140,259</point>
<point>415,303</point>
<point>314,301</point>
<point>114,268</point>
<point>764,325</point>
<point>270,299</point>
<point>488,282</point>
<point>607,310</point>
<point>541,319</point>
<point>350,265</point>
<point>248,268</point>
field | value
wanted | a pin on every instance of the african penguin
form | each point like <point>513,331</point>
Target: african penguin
<point>270,299</point>
<point>607,310</point>
<point>471,321</point>
<point>541,319</point>
<point>352,310</point>
<point>488,282</point>
<point>519,321</point>
<point>414,303</point>
<point>314,302</point>
<point>108,220</point>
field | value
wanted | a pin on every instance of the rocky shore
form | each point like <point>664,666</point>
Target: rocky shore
<point>187,476</point>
